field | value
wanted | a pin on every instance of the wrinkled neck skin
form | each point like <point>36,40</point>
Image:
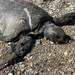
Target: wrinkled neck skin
<point>46,24</point>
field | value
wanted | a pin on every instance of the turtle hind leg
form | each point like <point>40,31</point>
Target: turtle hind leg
<point>17,50</point>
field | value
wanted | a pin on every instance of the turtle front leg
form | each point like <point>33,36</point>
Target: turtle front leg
<point>16,50</point>
<point>25,43</point>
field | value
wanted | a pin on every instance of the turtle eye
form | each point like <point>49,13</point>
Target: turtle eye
<point>57,36</point>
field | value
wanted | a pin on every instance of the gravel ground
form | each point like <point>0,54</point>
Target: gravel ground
<point>47,58</point>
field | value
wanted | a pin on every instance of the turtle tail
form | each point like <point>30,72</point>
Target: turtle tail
<point>67,19</point>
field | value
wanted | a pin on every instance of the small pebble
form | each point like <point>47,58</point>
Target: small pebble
<point>51,42</point>
<point>70,60</point>
<point>74,73</point>
<point>65,53</point>
<point>9,43</point>
<point>10,74</point>
<point>37,42</point>
<point>18,73</point>
<point>31,64</point>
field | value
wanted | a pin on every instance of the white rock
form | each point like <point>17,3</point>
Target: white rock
<point>65,53</point>
<point>10,74</point>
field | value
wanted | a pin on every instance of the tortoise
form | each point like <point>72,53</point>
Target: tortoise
<point>21,22</point>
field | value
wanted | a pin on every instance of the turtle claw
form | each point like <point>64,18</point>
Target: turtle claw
<point>3,65</point>
<point>7,59</point>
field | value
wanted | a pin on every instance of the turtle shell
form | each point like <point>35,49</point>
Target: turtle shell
<point>20,17</point>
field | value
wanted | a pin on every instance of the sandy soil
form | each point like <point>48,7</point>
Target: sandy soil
<point>47,58</point>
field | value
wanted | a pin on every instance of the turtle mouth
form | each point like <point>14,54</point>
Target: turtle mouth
<point>58,40</point>
<point>64,40</point>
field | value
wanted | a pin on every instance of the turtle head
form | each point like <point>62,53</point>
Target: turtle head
<point>55,33</point>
